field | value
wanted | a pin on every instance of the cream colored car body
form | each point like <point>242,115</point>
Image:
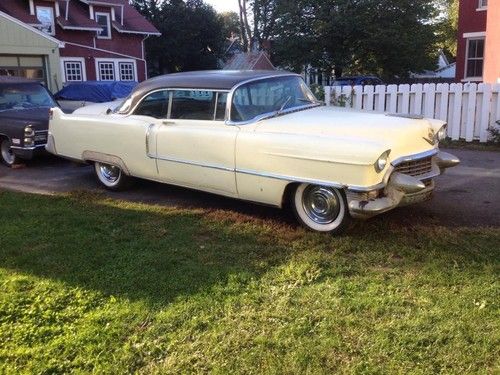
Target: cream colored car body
<point>256,161</point>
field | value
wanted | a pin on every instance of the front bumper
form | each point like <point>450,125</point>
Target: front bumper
<point>400,189</point>
<point>28,153</point>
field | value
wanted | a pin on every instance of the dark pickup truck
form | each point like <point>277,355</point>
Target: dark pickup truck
<point>24,118</point>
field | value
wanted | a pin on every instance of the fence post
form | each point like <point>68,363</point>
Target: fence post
<point>471,112</point>
<point>484,119</point>
<point>328,96</point>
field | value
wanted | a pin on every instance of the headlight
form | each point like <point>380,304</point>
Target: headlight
<point>29,142</point>
<point>441,134</point>
<point>381,162</point>
<point>28,131</point>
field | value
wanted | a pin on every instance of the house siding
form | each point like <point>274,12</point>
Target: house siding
<point>470,20</point>
<point>19,41</point>
<point>492,55</point>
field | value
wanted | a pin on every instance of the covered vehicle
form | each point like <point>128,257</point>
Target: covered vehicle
<point>259,136</point>
<point>24,117</point>
<point>357,81</point>
<point>79,94</point>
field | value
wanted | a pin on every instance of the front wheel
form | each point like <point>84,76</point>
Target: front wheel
<point>111,176</point>
<point>321,208</point>
<point>8,156</point>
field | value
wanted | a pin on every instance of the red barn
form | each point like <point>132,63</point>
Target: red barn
<point>103,39</point>
<point>478,52</point>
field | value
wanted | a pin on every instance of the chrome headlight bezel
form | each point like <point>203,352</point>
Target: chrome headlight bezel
<point>28,131</point>
<point>382,161</point>
<point>441,134</point>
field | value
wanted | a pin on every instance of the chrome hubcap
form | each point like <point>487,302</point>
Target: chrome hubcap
<point>321,204</point>
<point>109,172</point>
<point>7,153</point>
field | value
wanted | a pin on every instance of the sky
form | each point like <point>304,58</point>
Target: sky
<point>224,5</point>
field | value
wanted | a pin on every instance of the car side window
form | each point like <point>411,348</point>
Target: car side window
<point>193,105</point>
<point>220,109</point>
<point>154,105</point>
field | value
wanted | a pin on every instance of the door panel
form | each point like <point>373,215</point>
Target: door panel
<point>197,153</point>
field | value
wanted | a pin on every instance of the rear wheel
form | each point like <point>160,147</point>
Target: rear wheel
<point>321,208</point>
<point>8,157</point>
<point>111,176</point>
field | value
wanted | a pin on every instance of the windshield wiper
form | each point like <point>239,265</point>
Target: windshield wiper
<point>282,108</point>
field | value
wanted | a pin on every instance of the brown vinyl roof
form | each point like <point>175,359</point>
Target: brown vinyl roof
<point>203,80</point>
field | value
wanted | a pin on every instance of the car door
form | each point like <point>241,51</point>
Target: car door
<point>194,147</point>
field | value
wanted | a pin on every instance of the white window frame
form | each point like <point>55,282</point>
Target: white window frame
<point>80,60</point>
<point>108,17</point>
<point>134,75</point>
<point>466,77</point>
<point>116,67</point>
<point>53,24</point>
<point>482,5</point>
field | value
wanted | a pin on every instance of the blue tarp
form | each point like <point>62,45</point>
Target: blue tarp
<point>96,91</point>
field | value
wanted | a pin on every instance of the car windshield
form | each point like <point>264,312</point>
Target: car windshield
<point>270,97</point>
<point>24,96</point>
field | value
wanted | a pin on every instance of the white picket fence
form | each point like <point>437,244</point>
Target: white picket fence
<point>469,109</point>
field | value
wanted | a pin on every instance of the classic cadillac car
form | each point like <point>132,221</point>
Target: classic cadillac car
<point>259,136</point>
<point>24,118</point>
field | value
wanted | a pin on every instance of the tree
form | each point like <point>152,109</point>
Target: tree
<point>230,24</point>
<point>192,35</point>
<point>384,37</point>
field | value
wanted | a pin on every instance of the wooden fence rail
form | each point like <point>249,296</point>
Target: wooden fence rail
<point>469,109</point>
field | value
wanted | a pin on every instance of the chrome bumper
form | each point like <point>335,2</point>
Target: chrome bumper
<point>400,190</point>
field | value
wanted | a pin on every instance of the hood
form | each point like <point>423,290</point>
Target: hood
<point>38,115</point>
<point>98,109</point>
<point>402,135</point>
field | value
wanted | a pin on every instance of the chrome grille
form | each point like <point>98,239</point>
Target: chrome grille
<point>41,137</point>
<point>415,167</point>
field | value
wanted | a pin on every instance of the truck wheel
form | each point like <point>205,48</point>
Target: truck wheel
<point>8,157</point>
<point>321,208</point>
<point>111,176</point>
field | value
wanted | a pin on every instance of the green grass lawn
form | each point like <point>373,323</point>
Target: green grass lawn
<point>90,284</point>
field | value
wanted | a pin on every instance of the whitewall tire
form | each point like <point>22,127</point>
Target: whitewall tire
<point>111,176</point>
<point>321,208</point>
<point>8,157</point>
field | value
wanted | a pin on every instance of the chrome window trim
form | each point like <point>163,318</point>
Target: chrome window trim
<point>420,155</point>
<point>132,110</point>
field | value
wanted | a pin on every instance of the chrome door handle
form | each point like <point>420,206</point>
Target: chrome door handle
<point>148,134</point>
<point>168,122</point>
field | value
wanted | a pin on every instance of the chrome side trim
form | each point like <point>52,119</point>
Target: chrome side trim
<point>420,155</point>
<point>290,178</point>
<point>148,134</point>
<point>194,163</point>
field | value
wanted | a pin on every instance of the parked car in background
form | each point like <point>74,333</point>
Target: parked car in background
<point>259,136</point>
<point>357,81</point>
<point>80,94</point>
<point>24,117</point>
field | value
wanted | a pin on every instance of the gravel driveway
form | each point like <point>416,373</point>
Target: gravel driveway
<point>468,195</point>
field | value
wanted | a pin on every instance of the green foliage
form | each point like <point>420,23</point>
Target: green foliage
<point>192,35</point>
<point>495,135</point>
<point>318,91</point>
<point>94,285</point>
<point>384,37</point>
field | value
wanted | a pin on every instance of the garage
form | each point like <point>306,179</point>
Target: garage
<point>29,53</point>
